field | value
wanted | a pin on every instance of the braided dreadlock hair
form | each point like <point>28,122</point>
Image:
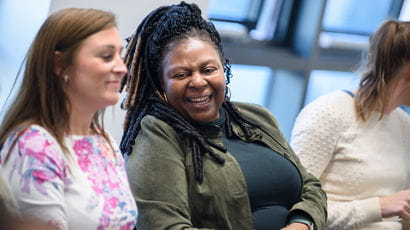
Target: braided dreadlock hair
<point>145,51</point>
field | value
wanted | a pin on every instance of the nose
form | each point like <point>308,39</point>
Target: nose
<point>120,67</point>
<point>198,80</point>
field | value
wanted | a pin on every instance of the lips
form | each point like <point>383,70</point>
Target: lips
<point>199,100</point>
<point>114,85</point>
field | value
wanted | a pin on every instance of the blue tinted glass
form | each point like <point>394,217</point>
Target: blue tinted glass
<point>249,83</point>
<point>322,82</point>
<point>236,10</point>
<point>355,16</point>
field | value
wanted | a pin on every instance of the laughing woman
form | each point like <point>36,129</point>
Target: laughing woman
<point>195,159</point>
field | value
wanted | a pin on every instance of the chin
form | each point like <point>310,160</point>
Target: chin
<point>110,102</point>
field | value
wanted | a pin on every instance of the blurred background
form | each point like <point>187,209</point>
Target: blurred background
<point>284,53</point>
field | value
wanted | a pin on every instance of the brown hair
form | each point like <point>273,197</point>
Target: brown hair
<point>389,49</point>
<point>41,99</point>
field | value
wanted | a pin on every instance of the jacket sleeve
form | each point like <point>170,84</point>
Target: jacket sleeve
<point>158,179</point>
<point>313,200</point>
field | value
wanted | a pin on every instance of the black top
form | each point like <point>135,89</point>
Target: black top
<point>274,183</point>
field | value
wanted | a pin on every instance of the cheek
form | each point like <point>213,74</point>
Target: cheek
<point>221,85</point>
<point>173,89</point>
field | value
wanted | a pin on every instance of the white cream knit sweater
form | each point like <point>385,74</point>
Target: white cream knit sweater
<point>356,162</point>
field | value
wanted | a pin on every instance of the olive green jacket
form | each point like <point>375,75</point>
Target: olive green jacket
<point>162,178</point>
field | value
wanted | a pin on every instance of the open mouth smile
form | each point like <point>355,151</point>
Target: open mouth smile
<point>199,100</point>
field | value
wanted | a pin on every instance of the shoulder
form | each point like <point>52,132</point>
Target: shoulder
<point>332,106</point>
<point>36,146</point>
<point>335,101</point>
<point>403,116</point>
<point>153,126</point>
<point>110,139</point>
<point>255,112</point>
<point>36,135</point>
<point>32,135</point>
<point>327,117</point>
<point>250,107</point>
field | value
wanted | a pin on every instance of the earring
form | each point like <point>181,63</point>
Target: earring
<point>227,93</point>
<point>65,78</point>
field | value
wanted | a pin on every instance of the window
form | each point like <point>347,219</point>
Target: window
<point>265,20</point>
<point>245,12</point>
<point>322,82</point>
<point>348,23</point>
<point>250,83</point>
<point>405,11</point>
<point>278,90</point>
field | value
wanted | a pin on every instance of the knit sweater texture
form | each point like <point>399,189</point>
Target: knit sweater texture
<point>357,162</point>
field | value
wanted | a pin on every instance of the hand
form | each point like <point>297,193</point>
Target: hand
<point>397,204</point>
<point>296,226</point>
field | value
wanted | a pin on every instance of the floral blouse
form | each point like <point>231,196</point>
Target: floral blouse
<point>88,189</point>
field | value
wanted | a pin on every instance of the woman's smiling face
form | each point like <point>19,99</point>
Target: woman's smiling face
<point>193,79</point>
<point>97,70</point>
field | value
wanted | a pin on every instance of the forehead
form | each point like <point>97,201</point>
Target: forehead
<point>183,48</point>
<point>109,36</point>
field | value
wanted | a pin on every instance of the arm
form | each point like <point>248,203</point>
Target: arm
<point>158,178</point>
<point>314,136</point>
<point>36,172</point>
<point>8,207</point>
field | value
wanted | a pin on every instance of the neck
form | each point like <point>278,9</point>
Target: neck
<point>396,93</point>
<point>80,121</point>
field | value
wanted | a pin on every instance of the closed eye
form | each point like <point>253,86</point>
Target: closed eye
<point>209,70</point>
<point>107,57</point>
<point>181,75</point>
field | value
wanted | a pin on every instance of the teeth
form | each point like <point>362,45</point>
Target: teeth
<point>199,99</point>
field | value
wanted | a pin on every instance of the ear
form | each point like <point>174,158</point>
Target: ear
<point>58,63</point>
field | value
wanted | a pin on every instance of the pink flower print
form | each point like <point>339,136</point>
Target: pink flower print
<point>33,140</point>
<point>41,161</point>
<point>104,222</point>
<point>96,185</point>
<point>113,202</point>
<point>128,226</point>
<point>40,176</point>
<point>83,150</point>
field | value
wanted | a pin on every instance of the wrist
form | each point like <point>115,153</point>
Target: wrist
<point>308,223</point>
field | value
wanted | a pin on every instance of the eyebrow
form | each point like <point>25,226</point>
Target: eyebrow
<point>183,67</point>
<point>112,47</point>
